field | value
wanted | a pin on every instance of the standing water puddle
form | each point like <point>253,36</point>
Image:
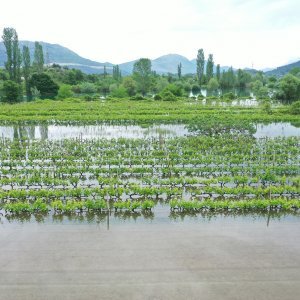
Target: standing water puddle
<point>59,132</point>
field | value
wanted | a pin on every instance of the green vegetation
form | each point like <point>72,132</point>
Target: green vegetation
<point>213,172</point>
<point>72,111</point>
<point>42,81</point>
<point>219,166</point>
<point>200,66</point>
<point>257,204</point>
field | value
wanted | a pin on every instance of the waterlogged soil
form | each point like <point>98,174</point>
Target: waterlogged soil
<point>60,132</point>
<point>162,256</point>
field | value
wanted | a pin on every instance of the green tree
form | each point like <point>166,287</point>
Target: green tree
<point>228,79</point>
<point>272,80</point>
<point>3,74</point>
<point>200,61</point>
<point>11,91</point>
<point>117,73</point>
<point>218,73</point>
<point>167,95</point>
<point>104,72</point>
<point>295,108</point>
<point>45,85</point>
<point>7,37</point>
<point>295,71</point>
<point>289,89</point>
<point>256,86</point>
<point>119,92</point>
<point>130,85</point>
<point>143,75</point>
<point>65,91</point>
<point>87,88</point>
<point>179,70</point>
<point>210,68</point>
<point>26,71</point>
<point>175,89</point>
<point>243,78</point>
<point>73,77</point>
<point>161,84</point>
<point>262,93</point>
<point>213,84</point>
<point>14,59</point>
<point>38,62</point>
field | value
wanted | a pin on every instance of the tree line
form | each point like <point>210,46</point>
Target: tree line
<point>28,78</point>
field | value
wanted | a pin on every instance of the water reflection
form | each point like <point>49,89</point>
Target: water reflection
<point>111,218</point>
<point>239,93</point>
<point>209,215</point>
<point>59,132</point>
<point>163,131</point>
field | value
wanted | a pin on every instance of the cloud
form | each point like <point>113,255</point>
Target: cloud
<point>238,32</point>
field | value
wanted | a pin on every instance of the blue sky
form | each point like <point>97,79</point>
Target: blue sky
<point>262,33</point>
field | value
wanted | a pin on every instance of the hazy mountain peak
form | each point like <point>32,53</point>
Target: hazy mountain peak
<point>55,53</point>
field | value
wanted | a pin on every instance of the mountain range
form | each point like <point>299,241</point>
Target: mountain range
<point>54,53</point>
<point>281,71</point>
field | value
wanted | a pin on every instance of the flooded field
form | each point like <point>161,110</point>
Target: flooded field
<point>60,132</point>
<point>150,212</point>
<point>217,257</point>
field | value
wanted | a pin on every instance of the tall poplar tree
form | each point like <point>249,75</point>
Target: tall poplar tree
<point>26,71</point>
<point>7,37</point>
<point>179,70</point>
<point>218,73</point>
<point>14,59</point>
<point>210,67</point>
<point>200,65</point>
<point>116,73</point>
<point>38,62</point>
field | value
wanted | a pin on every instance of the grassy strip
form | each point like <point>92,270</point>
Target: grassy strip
<point>144,112</point>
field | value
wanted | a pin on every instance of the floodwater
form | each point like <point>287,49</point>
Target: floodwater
<point>59,132</point>
<point>159,257</point>
<point>276,130</point>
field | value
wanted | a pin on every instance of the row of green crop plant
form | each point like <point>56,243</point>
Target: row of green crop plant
<point>176,148</point>
<point>83,172</point>
<point>253,204</point>
<point>33,180</point>
<point>145,172</point>
<point>178,156</point>
<point>91,216</point>
<point>59,206</point>
<point>71,112</point>
<point>71,206</point>
<point>241,183</point>
<point>137,192</point>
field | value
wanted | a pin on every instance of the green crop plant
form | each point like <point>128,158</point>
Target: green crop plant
<point>18,207</point>
<point>147,205</point>
<point>39,206</point>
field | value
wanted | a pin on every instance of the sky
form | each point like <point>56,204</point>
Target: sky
<point>239,33</point>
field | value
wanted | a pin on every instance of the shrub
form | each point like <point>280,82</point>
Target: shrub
<point>119,92</point>
<point>168,96</point>
<point>65,91</point>
<point>45,85</point>
<point>87,88</point>
<point>196,88</point>
<point>230,96</point>
<point>213,84</point>
<point>11,91</point>
<point>137,97</point>
<point>295,108</point>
